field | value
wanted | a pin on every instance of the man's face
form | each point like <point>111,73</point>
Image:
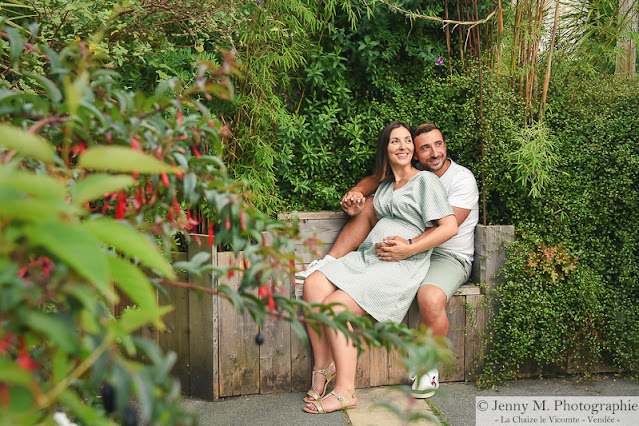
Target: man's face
<point>430,151</point>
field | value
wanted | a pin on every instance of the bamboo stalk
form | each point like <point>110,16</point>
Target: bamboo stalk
<point>481,120</point>
<point>450,66</point>
<point>461,38</point>
<point>549,64</point>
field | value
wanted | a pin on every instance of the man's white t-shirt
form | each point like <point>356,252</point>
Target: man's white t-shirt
<point>461,188</point>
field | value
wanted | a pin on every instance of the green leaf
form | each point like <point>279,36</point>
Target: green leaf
<point>25,143</point>
<point>74,91</point>
<point>133,319</point>
<point>121,159</point>
<point>61,365</point>
<point>78,248</point>
<point>52,90</point>
<point>300,330</point>
<point>17,43</point>
<point>130,242</point>
<point>133,282</point>
<point>96,185</point>
<point>10,373</point>
<point>32,210</point>
<point>58,330</point>
<point>81,409</point>
<point>39,186</point>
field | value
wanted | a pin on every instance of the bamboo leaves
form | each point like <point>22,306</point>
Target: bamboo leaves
<point>535,160</point>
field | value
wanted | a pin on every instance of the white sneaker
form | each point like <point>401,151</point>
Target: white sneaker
<point>426,386</point>
<point>314,266</point>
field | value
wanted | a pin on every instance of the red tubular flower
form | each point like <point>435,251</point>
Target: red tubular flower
<point>46,266</point>
<point>228,224</point>
<point>211,235</point>
<point>180,119</point>
<point>178,173</point>
<point>271,303</point>
<point>195,151</point>
<point>197,239</point>
<point>177,206</point>
<point>121,206</point>
<point>171,218</point>
<point>5,343</point>
<point>243,220</point>
<point>192,222</point>
<point>165,180</point>
<point>135,144</point>
<point>149,190</point>
<point>139,199</point>
<point>230,272</point>
<point>24,359</point>
<point>24,272</point>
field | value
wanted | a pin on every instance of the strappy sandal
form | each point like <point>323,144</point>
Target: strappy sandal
<point>320,407</point>
<point>313,393</point>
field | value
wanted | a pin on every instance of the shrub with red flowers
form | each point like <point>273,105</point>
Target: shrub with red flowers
<point>95,181</point>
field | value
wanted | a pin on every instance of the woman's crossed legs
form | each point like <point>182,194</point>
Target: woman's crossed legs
<point>332,345</point>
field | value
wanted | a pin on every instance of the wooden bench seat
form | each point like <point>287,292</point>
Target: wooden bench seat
<point>215,345</point>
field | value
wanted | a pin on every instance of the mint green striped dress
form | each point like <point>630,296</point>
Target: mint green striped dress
<point>384,289</point>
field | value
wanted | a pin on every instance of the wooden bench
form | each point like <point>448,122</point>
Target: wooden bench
<point>216,352</point>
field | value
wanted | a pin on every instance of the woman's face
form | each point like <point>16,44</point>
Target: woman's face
<point>400,147</point>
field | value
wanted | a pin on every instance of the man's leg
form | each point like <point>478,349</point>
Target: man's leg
<point>432,310</point>
<point>355,231</point>
<point>352,235</point>
<point>445,275</point>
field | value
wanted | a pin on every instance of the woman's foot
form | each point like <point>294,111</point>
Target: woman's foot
<point>331,402</point>
<point>319,382</point>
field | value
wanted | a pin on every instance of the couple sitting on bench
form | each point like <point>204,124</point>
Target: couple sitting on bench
<point>418,223</point>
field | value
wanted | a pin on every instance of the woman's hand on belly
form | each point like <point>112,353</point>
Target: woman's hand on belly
<point>393,249</point>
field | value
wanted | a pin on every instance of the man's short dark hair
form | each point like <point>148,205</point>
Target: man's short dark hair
<point>426,128</point>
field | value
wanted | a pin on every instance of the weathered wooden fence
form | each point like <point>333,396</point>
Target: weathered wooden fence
<point>215,345</point>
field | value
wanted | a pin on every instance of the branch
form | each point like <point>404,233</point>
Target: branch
<point>438,19</point>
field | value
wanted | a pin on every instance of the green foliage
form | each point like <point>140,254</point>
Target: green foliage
<point>551,311</point>
<point>589,205</point>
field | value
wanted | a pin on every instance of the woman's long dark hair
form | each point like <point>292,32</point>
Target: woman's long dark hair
<point>383,169</point>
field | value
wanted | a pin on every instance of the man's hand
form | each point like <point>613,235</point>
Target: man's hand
<point>393,249</point>
<point>352,203</point>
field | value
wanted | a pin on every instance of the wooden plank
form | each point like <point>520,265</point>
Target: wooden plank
<point>363,374</point>
<point>386,367</point>
<point>176,336</point>
<point>304,216</point>
<point>307,256</point>
<point>474,344</point>
<point>468,289</point>
<point>238,354</point>
<point>203,341</point>
<point>491,244</point>
<point>301,363</point>
<point>457,320</point>
<point>275,353</point>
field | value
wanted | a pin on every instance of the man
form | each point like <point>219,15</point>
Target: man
<point>451,261</point>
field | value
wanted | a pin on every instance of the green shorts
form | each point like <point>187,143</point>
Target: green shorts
<point>447,272</point>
